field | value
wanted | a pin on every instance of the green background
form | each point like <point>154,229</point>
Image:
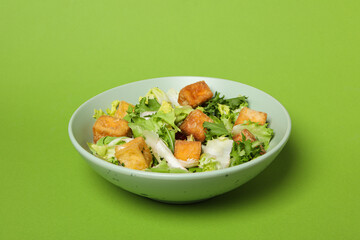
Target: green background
<point>54,55</point>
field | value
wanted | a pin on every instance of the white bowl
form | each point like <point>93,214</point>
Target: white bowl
<point>174,187</point>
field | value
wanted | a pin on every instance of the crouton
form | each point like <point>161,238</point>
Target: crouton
<point>134,154</point>
<point>110,126</point>
<point>122,109</point>
<point>252,115</point>
<point>248,136</point>
<point>193,124</point>
<point>195,94</point>
<point>185,150</point>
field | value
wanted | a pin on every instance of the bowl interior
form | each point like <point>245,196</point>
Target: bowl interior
<point>81,123</point>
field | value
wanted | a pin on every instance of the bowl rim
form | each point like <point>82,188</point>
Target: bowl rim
<point>176,176</point>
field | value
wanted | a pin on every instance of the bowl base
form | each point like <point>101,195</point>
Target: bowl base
<point>180,202</point>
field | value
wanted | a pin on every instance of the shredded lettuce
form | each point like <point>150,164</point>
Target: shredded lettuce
<point>181,113</point>
<point>219,149</point>
<point>163,167</point>
<point>98,113</point>
<point>244,151</point>
<point>208,163</point>
<point>217,105</point>
<point>144,105</point>
<point>114,105</point>
<point>166,107</point>
<point>215,130</point>
<point>261,132</point>
<point>158,94</point>
<point>168,136</point>
<point>159,147</point>
<point>110,112</point>
<point>223,109</point>
<point>105,147</point>
<point>166,114</point>
<point>161,121</point>
<point>173,96</point>
<point>112,140</point>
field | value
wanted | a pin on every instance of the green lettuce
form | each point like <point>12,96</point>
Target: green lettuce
<point>163,167</point>
<point>158,94</point>
<point>181,113</point>
<point>261,132</point>
<point>215,130</point>
<point>223,109</point>
<point>114,105</point>
<point>208,163</point>
<point>173,96</point>
<point>168,136</point>
<point>218,105</point>
<point>220,150</point>
<point>104,148</point>
<point>114,140</point>
<point>144,105</point>
<point>166,114</point>
<point>110,112</point>
<point>244,151</point>
<point>98,113</point>
<point>162,122</point>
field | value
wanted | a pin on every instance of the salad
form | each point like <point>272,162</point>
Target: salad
<point>193,130</point>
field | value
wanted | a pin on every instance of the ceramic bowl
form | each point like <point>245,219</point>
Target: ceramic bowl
<point>175,187</point>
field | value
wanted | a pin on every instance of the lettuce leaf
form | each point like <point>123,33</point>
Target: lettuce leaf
<point>162,123</point>
<point>151,105</point>
<point>261,132</point>
<point>158,94</point>
<point>244,151</point>
<point>104,148</point>
<point>106,140</point>
<point>220,150</point>
<point>166,114</point>
<point>168,136</point>
<point>144,105</point>
<point>163,167</point>
<point>139,125</point>
<point>217,105</point>
<point>173,96</point>
<point>158,147</point>
<point>98,113</point>
<point>181,113</point>
<point>110,112</point>
<point>114,105</point>
<point>215,130</point>
<point>208,163</point>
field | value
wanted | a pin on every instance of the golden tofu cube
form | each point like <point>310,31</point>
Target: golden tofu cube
<point>185,150</point>
<point>193,124</point>
<point>110,126</point>
<point>195,94</point>
<point>134,154</point>
<point>252,115</point>
<point>122,109</point>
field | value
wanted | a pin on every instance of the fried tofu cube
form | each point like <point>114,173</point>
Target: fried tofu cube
<point>110,126</point>
<point>134,154</point>
<point>122,109</point>
<point>248,136</point>
<point>195,94</point>
<point>185,150</point>
<point>252,115</point>
<point>193,125</point>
